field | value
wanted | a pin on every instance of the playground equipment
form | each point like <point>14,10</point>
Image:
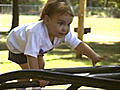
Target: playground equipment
<point>86,30</point>
<point>105,77</point>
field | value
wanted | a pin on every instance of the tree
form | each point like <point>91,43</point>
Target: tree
<point>5,1</point>
<point>15,19</point>
<point>118,3</point>
<point>31,2</point>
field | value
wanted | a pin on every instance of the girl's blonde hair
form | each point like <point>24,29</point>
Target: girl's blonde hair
<point>56,6</point>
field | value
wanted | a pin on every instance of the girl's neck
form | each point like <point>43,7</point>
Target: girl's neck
<point>51,37</point>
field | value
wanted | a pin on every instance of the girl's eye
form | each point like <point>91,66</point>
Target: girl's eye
<point>60,23</point>
<point>69,24</point>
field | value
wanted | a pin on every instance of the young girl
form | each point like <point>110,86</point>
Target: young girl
<point>28,43</point>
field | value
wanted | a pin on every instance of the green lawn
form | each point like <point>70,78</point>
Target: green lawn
<point>6,20</point>
<point>104,39</point>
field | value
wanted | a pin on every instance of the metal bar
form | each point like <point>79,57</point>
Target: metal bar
<point>96,82</point>
<point>19,85</point>
<point>107,75</point>
<point>25,84</point>
<point>73,87</point>
<point>97,69</point>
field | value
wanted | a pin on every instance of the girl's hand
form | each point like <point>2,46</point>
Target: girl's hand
<point>97,59</point>
<point>43,83</point>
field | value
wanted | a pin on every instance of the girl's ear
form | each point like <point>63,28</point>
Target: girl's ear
<point>46,19</point>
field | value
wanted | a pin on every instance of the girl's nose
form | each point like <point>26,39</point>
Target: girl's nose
<point>65,29</point>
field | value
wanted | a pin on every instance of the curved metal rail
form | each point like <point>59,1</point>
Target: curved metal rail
<point>57,77</point>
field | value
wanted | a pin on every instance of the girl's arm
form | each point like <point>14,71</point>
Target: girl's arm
<point>32,62</point>
<point>83,48</point>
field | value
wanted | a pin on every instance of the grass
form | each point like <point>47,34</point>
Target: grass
<point>102,29</point>
<point>104,39</point>
<point>62,56</point>
<point>6,20</point>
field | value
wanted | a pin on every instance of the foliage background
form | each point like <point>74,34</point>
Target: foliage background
<point>103,8</point>
<point>94,3</point>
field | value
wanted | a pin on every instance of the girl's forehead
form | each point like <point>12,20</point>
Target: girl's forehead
<point>62,16</point>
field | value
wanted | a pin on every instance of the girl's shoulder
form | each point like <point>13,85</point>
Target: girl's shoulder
<point>28,26</point>
<point>36,27</point>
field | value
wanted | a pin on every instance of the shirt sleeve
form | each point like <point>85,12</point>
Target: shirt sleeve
<point>72,40</point>
<point>32,45</point>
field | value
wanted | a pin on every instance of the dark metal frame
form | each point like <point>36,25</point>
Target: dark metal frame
<point>105,77</point>
<point>86,30</point>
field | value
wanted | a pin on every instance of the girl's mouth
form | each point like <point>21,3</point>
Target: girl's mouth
<point>62,34</point>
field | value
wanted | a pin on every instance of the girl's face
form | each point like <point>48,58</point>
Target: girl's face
<point>58,25</point>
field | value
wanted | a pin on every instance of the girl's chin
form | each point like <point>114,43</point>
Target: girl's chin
<point>60,36</point>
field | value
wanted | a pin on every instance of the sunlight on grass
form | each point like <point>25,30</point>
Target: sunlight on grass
<point>63,58</point>
<point>5,64</point>
<point>63,87</point>
<point>28,19</point>
<point>52,61</point>
<point>64,64</point>
<point>102,29</point>
<point>5,20</point>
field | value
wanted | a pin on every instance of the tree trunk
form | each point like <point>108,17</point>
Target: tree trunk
<point>90,3</point>
<point>15,19</point>
<point>106,3</point>
<point>81,15</point>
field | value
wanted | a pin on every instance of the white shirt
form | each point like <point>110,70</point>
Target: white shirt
<point>33,39</point>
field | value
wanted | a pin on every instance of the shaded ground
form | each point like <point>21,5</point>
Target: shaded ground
<point>112,52</point>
